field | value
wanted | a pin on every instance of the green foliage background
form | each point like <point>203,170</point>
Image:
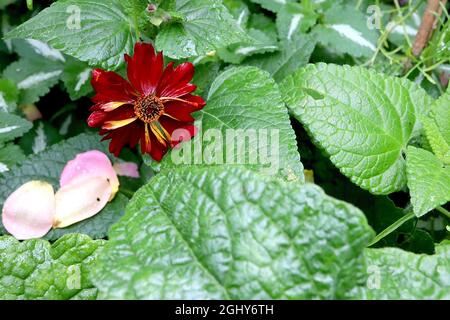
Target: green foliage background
<point>358,209</point>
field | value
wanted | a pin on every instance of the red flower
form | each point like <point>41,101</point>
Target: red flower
<point>147,109</point>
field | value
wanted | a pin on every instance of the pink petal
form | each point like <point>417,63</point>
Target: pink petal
<point>28,211</point>
<point>90,164</point>
<point>126,169</point>
<point>81,199</point>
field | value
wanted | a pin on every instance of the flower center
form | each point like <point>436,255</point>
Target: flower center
<point>148,108</point>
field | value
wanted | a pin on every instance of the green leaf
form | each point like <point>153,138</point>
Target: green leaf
<point>33,79</point>
<point>294,18</point>
<point>397,274</point>
<point>77,78</point>
<point>207,26</point>
<point>436,140</point>
<point>437,127</point>
<point>35,269</point>
<point>221,234</point>
<point>292,55</point>
<point>345,30</point>
<point>37,51</point>
<point>5,3</point>
<point>258,44</point>
<point>12,126</point>
<point>243,123</point>
<point>9,94</point>
<point>440,113</point>
<point>205,73</point>
<point>239,10</point>
<point>92,31</point>
<point>428,180</point>
<point>363,120</point>
<point>39,138</point>
<point>10,155</point>
<point>272,5</point>
<point>47,165</point>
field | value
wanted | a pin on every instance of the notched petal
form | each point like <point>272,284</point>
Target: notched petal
<point>83,198</point>
<point>28,212</point>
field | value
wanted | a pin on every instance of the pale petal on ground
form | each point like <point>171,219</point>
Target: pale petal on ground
<point>90,164</point>
<point>28,212</point>
<point>81,199</point>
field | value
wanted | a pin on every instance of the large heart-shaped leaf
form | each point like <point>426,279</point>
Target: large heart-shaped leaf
<point>363,120</point>
<point>243,123</point>
<point>220,233</point>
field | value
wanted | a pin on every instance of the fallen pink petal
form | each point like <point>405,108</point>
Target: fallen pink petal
<point>127,169</point>
<point>92,163</point>
<point>28,212</point>
<point>83,198</point>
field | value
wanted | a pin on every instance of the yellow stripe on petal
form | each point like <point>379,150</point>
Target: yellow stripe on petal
<point>110,106</point>
<point>147,134</point>
<point>111,125</point>
<point>164,131</point>
<point>159,135</point>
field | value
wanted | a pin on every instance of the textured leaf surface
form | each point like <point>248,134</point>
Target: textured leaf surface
<point>345,30</point>
<point>9,155</point>
<point>292,55</point>
<point>428,180</point>
<point>259,43</point>
<point>35,269</point>
<point>405,275</point>
<point>244,98</point>
<point>293,19</point>
<point>33,79</point>
<point>97,32</point>
<point>207,25</point>
<point>47,166</point>
<point>77,78</point>
<point>218,234</point>
<point>9,94</point>
<point>440,112</point>
<point>437,127</point>
<point>362,119</point>
<point>12,126</point>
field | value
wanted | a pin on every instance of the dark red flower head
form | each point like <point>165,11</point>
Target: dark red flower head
<point>149,108</point>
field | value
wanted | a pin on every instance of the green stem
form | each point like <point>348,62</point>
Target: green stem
<point>443,211</point>
<point>391,228</point>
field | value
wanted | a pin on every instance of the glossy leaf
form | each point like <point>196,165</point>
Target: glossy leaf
<point>35,269</point>
<point>362,119</point>
<point>221,234</point>
<point>243,101</point>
